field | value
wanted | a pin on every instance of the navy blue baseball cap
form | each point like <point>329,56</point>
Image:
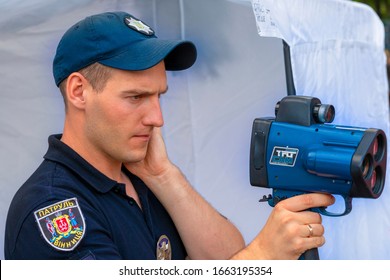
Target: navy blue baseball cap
<point>118,40</point>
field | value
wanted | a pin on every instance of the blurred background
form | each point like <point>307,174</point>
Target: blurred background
<point>209,110</point>
<point>382,8</point>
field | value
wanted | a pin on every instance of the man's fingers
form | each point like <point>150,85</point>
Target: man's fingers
<point>303,202</point>
<point>312,230</point>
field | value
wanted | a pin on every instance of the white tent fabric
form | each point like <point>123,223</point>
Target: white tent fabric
<point>338,56</point>
<point>208,110</point>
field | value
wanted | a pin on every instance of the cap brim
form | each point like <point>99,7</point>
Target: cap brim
<point>178,55</point>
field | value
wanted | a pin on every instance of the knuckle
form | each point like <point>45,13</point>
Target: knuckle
<point>279,207</point>
<point>298,246</point>
<point>315,218</point>
<point>307,200</point>
<point>321,230</point>
<point>287,221</point>
<point>320,241</point>
<point>283,215</point>
<point>292,230</point>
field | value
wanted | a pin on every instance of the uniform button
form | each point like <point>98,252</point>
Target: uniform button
<point>131,202</point>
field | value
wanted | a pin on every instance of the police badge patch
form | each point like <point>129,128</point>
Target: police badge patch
<point>138,25</point>
<point>62,224</point>
<point>163,249</point>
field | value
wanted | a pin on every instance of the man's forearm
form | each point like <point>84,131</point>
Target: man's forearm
<point>206,234</point>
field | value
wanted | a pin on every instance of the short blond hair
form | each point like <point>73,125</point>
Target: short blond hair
<point>96,74</point>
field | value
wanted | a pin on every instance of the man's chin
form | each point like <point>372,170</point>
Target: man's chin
<point>134,158</point>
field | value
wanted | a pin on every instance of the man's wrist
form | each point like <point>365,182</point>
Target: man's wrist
<point>168,176</point>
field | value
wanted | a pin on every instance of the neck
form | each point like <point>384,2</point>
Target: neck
<point>98,159</point>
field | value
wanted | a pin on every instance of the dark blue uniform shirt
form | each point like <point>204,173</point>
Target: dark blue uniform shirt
<point>69,210</point>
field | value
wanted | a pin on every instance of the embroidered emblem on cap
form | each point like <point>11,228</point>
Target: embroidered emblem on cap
<point>139,26</point>
<point>62,224</point>
<point>164,251</point>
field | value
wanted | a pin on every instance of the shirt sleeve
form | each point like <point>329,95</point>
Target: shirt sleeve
<point>62,229</point>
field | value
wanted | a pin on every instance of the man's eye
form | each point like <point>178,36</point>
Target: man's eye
<point>136,97</point>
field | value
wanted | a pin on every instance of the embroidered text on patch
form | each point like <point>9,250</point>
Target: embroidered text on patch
<point>62,224</point>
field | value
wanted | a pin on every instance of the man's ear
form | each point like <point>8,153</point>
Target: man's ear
<point>76,88</point>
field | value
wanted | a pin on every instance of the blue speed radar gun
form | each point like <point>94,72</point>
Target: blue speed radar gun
<point>299,151</point>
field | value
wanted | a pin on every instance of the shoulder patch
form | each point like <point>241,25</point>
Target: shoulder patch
<point>62,224</point>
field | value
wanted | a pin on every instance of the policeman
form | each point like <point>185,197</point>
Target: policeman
<point>106,188</point>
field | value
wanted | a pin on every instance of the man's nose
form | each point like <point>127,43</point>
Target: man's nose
<point>154,115</point>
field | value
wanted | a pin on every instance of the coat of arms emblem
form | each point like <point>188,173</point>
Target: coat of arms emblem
<point>61,224</point>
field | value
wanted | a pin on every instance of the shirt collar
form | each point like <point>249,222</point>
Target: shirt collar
<point>60,152</point>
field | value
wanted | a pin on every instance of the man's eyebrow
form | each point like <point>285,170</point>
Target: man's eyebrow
<point>141,91</point>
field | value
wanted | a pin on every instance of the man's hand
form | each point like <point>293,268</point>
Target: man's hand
<point>156,162</point>
<point>290,230</point>
<point>205,233</point>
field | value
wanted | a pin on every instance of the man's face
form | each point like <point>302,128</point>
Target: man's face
<point>120,119</point>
